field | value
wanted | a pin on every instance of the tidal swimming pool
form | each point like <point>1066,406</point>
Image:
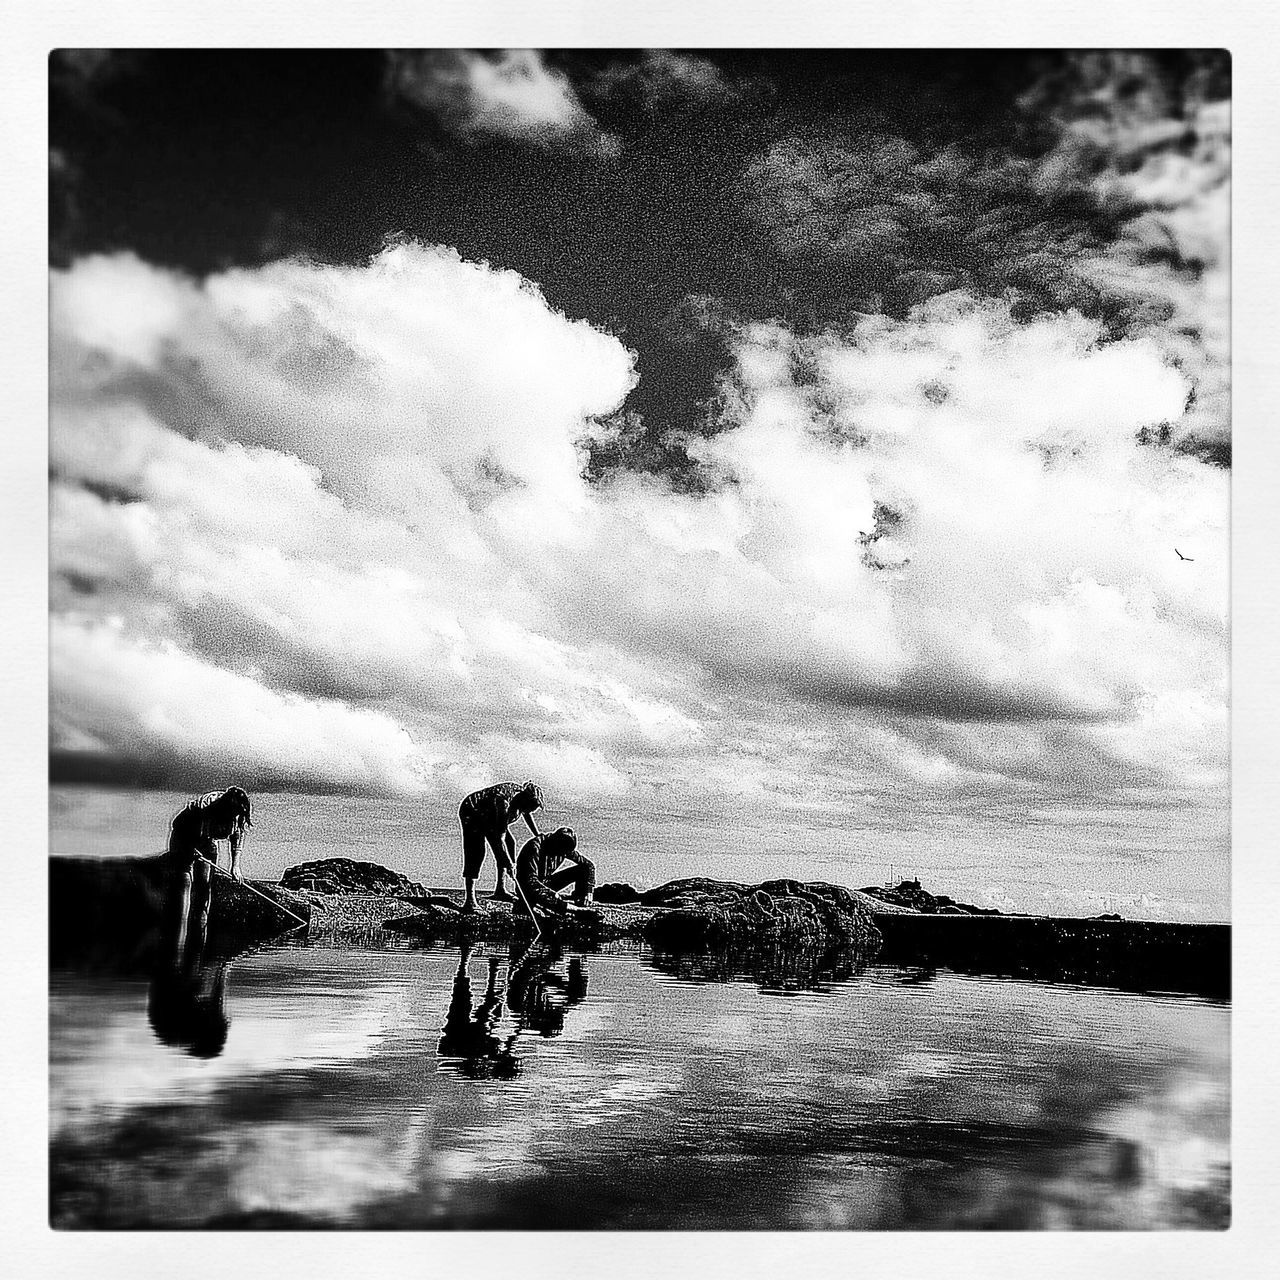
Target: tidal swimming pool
<point>326,1086</point>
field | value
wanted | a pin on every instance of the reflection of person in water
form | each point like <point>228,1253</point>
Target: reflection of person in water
<point>468,1044</point>
<point>187,999</point>
<point>539,996</point>
<point>187,1007</point>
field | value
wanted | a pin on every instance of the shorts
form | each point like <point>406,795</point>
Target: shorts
<point>474,839</point>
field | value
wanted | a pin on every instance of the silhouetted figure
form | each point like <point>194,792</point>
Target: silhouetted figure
<point>187,999</point>
<point>549,863</point>
<point>485,817</point>
<point>193,853</point>
<point>1180,556</point>
<point>468,1045</point>
<point>540,997</point>
<point>187,1007</point>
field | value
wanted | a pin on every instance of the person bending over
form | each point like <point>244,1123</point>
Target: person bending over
<point>485,817</point>
<point>549,863</point>
<point>193,850</point>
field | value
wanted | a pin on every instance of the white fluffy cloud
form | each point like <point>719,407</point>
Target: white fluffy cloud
<point>510,94</point>
<point>325,528</point>
<point>1170,161</point>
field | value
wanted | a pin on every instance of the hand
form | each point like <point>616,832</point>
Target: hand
<point>238,874</point>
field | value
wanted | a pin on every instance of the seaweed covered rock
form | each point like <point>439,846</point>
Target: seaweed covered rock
<point>690,889</point>
<point>691,914</point>
<point>439,923</point>
<point>616,893</point>
<point>256,908</point>
<point>698,912</point>
<point>346,875</point>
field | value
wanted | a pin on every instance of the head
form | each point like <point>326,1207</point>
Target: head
<point>235,803</point>
<point>527,799</point>
<point>561,841</point>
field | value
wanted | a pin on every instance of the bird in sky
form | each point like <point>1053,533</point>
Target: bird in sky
<point>1180,556</point>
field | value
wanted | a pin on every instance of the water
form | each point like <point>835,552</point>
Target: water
<point>373,1087</point>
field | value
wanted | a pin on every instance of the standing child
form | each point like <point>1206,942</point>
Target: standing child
<point>485,817</point>
<point>193,851</point>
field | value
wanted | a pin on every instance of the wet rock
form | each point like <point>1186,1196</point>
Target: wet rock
<point>699,913</point>
<point>910,895</point>
<point>691,889</point>
<point>346,875</point>
<point>616,893</point>
<point>99,901</point>
<point>244,909</point>
<point>449,924</point>
<point>694,913</point>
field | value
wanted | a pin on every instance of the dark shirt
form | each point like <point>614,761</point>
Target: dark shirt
<point>206,819</point>
<point>535,863</point>
<point>490,810</point>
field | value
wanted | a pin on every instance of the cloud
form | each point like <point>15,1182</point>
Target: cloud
<point>662,79</point>
<point>511,95</point>
<point>1120,213</point>
<point>81,73</point>
<point>188,720</point>
<point>883,223</point>
<point>1162,150</point>
<point>1029,576</point>
<point>326,528</point>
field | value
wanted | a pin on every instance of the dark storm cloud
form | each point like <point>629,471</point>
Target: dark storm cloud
<point>945,695</point>
<point>877,224</point>
<point>866,218</point>
<point>661,80</point>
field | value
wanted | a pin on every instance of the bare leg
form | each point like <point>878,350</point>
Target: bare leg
<point>181,906</point>
<point>473,841</point>
<point>504,854</point>
<point>202,892</point>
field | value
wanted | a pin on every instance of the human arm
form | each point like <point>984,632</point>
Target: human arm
<point>236,837</point>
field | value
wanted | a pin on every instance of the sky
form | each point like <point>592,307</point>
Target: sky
<point>815,451</point>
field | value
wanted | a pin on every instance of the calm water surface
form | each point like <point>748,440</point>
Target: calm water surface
<point>340,1086</point>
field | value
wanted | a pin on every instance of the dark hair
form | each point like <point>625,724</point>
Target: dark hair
<point>562,838</point>
<point>238,799</point>
<point>528,793</point>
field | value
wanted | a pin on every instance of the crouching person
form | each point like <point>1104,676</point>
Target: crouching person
<point>549,863</point>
